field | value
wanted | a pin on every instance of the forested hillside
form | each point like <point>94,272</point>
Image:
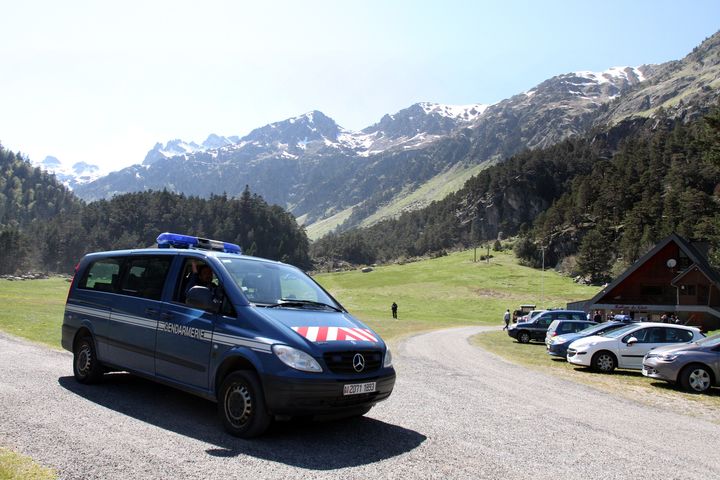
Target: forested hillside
<point>43,226</point>
<point>628,186</point>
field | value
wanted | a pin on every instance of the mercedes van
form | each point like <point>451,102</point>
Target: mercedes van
<point>259,337</point>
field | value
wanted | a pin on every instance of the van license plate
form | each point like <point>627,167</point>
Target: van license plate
<point>357,388</point>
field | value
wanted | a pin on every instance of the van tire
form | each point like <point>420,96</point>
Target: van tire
<point>241,405</point>
<point>523,337</point>
<point>86,366</point>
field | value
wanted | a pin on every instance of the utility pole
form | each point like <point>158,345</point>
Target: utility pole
<point>542,276</point>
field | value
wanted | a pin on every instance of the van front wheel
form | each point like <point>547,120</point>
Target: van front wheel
<point>241,405</point>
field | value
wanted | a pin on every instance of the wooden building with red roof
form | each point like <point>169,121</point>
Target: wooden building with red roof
<point>674,277</point>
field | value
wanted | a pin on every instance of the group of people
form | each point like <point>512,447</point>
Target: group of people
<point>597,317</point>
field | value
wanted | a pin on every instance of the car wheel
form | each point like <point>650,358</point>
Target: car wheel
<point>523,337</point>
<point>86,367</point>
<point>695,379</point>
<point>241,405</point>
<point>604,362</point>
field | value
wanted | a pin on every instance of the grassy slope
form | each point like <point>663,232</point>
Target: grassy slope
<point>431,294</point>
<point>436,188</point>
<point>15,466</point>
<point>447,291</point>
<point>33,309</point>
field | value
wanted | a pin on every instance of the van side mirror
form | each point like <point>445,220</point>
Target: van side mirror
<point>632,341</point>
<point>201,297</point>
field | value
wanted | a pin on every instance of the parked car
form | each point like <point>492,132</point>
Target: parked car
<point>536,328</point>
<point>562,327</point>
<point>557,346</point>
<point>695,366</point>
<point>530,315</point>
<point>626,347</point>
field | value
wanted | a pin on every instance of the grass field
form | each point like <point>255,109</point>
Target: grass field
<point>33,309</point>
<point>448,291</point>
<point>628,383</point>
<point>14,466</point>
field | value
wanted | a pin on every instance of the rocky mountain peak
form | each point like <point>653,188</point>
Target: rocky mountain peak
<point>425,118</point>
<point>311,126</point>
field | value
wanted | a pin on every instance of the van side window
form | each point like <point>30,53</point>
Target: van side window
<point>101,275</point>
<point>145,276</point>
<point>189,277</point>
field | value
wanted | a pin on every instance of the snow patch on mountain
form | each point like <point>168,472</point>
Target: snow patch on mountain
<point>632,75</point>
<point>466,113</point>
<point>181,148</point>
<point>73,175</point>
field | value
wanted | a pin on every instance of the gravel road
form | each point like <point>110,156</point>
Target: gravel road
<point>456,412</point>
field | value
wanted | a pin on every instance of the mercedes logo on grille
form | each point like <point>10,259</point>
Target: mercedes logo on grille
<point>358,362</point>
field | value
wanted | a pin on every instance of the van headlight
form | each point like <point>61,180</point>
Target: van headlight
<point>297,359</point>
<point>388,359</point>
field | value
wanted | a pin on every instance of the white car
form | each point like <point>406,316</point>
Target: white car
<point>626,347</point>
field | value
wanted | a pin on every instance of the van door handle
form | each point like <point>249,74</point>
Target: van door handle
<point>165,316</point>
<point>151,311</point>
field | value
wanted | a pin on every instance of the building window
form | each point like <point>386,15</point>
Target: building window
<point>687,289</point>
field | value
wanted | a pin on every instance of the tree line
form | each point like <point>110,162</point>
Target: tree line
<point>43,226</point>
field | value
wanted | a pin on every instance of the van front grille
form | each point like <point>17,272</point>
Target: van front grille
<point>342,362</point>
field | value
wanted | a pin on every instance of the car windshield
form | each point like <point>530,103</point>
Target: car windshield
<point>710,341</point>
<point>277,285</point>
<point>619,332</point>
<point>592,329</point>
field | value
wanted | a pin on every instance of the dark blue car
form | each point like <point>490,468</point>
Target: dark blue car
<point>558,345</point>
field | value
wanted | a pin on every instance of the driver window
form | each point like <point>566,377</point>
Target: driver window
<point>195,272</point>
<point>641,335</point>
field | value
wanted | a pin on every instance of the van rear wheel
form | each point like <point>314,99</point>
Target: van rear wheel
<point>86,367</point>
<point>241,405</point>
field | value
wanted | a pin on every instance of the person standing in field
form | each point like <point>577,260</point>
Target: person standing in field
<point>394,309</point>
<point>506,317</point>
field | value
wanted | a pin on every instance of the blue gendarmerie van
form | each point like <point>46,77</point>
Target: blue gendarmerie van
<point>259,337</point>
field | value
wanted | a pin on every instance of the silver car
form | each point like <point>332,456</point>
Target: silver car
<point>695,366</point>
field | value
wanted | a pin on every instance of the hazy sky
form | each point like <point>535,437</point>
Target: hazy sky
<point>102,82</point>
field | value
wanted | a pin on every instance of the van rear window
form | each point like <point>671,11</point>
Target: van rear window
<point>101,275</point>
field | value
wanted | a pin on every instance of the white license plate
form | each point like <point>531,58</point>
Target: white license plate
<point>358,388</point>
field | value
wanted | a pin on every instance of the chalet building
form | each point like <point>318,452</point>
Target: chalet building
<point>673,278</point>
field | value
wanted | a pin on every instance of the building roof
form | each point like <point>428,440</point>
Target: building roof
<point>699,260</point>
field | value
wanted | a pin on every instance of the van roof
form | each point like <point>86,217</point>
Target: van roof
<point>178,251</point>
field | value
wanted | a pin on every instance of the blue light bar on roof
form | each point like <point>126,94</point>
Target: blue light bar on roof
<point>177,240</point>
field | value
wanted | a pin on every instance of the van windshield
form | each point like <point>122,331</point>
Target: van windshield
<point>277,285</point>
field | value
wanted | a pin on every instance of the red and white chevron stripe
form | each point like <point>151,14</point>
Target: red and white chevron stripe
<point>333,334</point>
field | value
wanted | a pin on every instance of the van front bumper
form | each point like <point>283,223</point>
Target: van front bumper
<point>292,396</point>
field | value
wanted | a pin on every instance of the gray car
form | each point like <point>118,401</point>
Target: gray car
<point>695,366</point>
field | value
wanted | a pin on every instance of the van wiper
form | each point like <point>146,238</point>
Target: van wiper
<point>293,302</point>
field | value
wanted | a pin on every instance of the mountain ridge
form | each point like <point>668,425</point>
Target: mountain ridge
<point>317,169</point>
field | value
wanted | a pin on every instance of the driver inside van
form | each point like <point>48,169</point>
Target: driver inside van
<point>201,276</point>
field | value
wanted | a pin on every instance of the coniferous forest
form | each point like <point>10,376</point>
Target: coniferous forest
<point>43,226</point>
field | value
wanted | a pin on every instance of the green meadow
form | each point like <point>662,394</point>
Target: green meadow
<point>447,291</point>
<point>33,309</point>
